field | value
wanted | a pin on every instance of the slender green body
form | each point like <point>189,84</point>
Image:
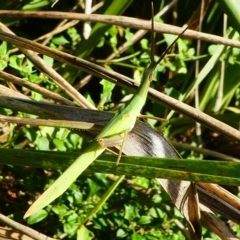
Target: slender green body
<point>122,122</point>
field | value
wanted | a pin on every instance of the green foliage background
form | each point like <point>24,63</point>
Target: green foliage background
<point>139,208</point>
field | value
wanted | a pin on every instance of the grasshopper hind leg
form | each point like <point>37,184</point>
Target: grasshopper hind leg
<point>111,142</point>
<point>121,150</point>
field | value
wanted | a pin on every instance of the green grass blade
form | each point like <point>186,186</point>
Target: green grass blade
<point>220,172</point>
<point>231,8</point>
<point>207,68</point>
<point>104,198</point>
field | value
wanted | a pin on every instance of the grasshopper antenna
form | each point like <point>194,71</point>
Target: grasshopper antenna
<point>169,48</point>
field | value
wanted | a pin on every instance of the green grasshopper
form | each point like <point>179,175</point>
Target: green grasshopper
<point>121,123</point>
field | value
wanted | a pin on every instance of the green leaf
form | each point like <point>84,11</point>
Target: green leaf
<point>3,56</point>
<point>136,236</point>
<point>121,233</point>
<point>173,93</point>
<point>15,62</point>
<point>73,218</point>
<point>70,228</point>
<point>3,49</point>
<point>107,92</point>
<point>144,44</point>
<point>43,143</point>
<point>37,217</point>
<point>36,4</point>
<point>157,198</point>
<point>145,220</point>
<point>74,35</point>
<point>84,233</point>
<point>128,35</point>
<point>131,212</point>
<point>36,78</point>
<point>48,60</point>
<point>60,40</point>
<point>18,63</point>
<point>63,133</point>
<point>60,210</point>
<point>75,138</point>
<point>94,186</point>
<point>169,38</point>
<point>142,182</point>
<point>59,144</point>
